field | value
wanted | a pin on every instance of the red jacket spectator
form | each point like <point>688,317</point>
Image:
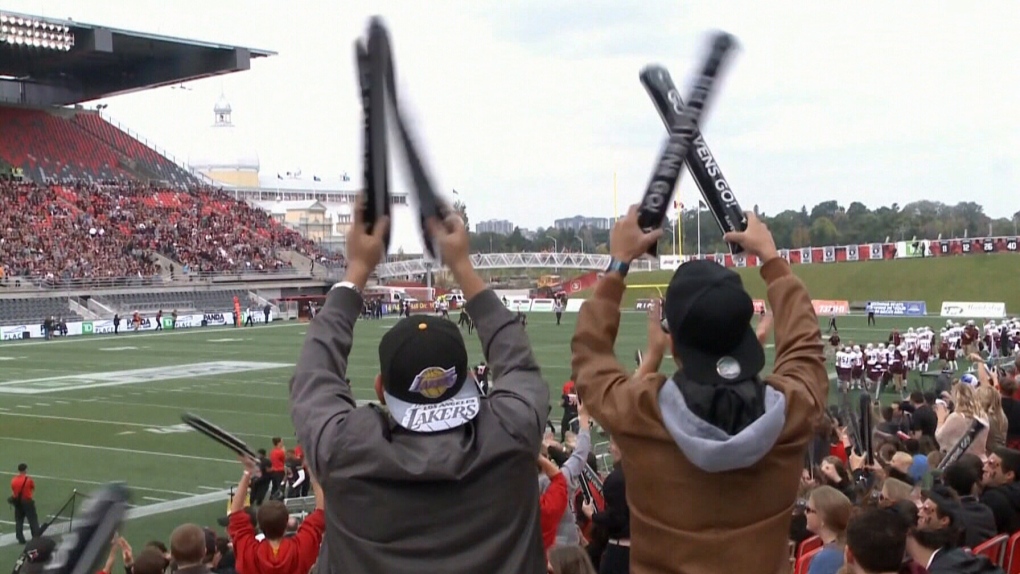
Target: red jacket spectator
<point>294,555</point>
<point>276,554</point>
<point>553,502</point>
<point>278,458</point>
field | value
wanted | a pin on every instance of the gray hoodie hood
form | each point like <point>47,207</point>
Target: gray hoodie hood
<point>710,448</point>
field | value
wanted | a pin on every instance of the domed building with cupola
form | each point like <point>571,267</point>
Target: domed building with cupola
<point>223,153</point>
<point>317,206</point>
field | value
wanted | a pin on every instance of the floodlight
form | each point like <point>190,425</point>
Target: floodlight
<point>35,33</point>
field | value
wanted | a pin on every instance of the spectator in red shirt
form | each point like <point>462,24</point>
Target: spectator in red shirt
<point>23,500</point>
<point>553,502</point>
<point>278,466</point>
<point>275,554</point>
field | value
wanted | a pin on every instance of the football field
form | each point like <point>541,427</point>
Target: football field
<point>84,411</point>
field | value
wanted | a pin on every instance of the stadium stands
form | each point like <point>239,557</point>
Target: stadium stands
<point>34,310</point>
<point>49,148</point>
<point>78,231</point>
<point>205,301</point>
<point>147,157</point>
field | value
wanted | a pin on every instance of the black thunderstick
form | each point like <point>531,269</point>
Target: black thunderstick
<point>655,203</point>
<point>373,60</point>
<point>378,90</point>
<point>82,548</point>
<point>706,172</point>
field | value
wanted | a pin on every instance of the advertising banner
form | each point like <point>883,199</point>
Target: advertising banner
<point>16,332</point>
<point>829,307</point>
<point>522,304</point>
<point>898,308</point>
<point>973,310</point>
<point>542,305</point>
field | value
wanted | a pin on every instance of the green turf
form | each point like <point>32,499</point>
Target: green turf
<point>934,280</point>
<point>81,438</point>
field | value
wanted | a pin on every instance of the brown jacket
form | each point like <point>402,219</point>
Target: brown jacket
<point>701,501</point>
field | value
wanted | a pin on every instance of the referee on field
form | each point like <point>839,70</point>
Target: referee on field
<point>23,501</point>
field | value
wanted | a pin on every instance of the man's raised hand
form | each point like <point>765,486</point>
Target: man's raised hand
<point>627,241</point>
<point>451,236</point>
<point>364,250</point>
<point>756,239</point>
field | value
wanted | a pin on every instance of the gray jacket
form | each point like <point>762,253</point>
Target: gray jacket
<point>464,500</point>
<point>567,533</point>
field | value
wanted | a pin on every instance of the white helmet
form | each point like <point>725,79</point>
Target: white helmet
<point>949,322</point>
<point>890,346</point>
<point>857,348</point>
<point>871,346</point>
<point>910,330</point>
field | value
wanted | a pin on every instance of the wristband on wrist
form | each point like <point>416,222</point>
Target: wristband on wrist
<point>618,266</point>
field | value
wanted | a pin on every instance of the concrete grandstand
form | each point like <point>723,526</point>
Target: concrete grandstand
<point>92,215</point>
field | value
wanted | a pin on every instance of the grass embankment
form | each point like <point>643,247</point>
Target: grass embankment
<point>933,280</point>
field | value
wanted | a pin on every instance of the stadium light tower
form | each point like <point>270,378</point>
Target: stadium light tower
<point>32,32</point>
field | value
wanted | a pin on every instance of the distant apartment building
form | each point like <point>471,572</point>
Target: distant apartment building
<point>579,221</point>
<point>497,226</point>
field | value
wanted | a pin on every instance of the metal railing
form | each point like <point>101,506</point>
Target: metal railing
<point>163,152</point>
<point>588,261</point>
<point>12,283</point>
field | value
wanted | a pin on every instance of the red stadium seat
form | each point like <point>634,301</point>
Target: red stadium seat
<point>804,561</point>
<point>1011,559</point>
<point>808,545</point>
<point>993,548</point>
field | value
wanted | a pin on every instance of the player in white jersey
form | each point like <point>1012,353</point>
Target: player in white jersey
<point>989,338</point>
<point>857,366</point>
<point>924,352</point>
<point>844,366</point>
<point>894,359</point>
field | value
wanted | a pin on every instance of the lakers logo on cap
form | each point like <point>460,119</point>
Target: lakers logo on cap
<point>434,381</point>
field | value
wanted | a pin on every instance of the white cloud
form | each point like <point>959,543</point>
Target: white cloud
<point>528,107</point>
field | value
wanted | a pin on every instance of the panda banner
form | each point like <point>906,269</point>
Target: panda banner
<point>851,253</point>
<point>805,255</point>
<point>829,254</point>
<point>875,252</point>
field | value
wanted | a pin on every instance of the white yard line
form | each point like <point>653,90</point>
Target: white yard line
<point>97,483</point>
<point>178,408</point>
<point>116,423</point>
<point>115,449</point>
<point>153,498</point>
<point>141,511</point>
<point>133,336</point>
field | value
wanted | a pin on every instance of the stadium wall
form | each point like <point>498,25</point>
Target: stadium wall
<point>105,326</point>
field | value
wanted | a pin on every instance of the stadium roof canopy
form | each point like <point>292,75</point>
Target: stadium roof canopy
<point>51,62</point>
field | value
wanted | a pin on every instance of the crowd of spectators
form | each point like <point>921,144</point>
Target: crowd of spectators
<point>717,468</point>
<point>89,231</point>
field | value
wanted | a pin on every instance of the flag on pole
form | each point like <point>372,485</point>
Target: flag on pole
<point>702,205</point>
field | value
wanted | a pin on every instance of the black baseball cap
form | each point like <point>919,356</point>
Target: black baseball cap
<point>424,366</point>
<point>708,314</point>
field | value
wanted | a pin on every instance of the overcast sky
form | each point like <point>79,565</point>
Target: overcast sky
<point>528,107</point>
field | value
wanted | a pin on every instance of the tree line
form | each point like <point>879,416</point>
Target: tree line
<point>827,223</point>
